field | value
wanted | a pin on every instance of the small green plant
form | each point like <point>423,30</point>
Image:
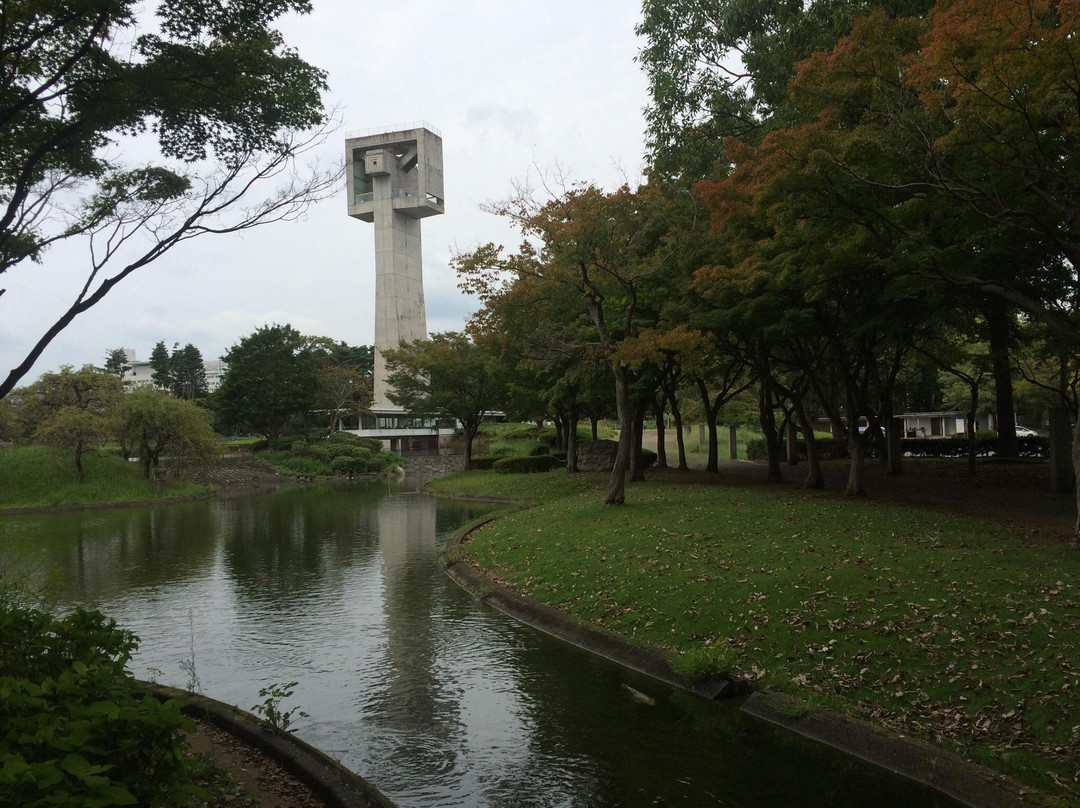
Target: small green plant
<point>705,660</point>
<point>273,696</point>
<point>792,707</point>
<point>193,684</point>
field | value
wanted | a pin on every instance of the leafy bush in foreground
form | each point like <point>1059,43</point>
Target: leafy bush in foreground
<point>76,729</point>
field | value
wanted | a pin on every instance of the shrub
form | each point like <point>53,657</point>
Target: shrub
<point>539,450</point>
<point>648,458</point>
<point>76,729</point>
<point>756,449</point>
<point>547,438</point>
<point>483,462</point>
<point>525,465</point>
<point>560,456</point>
<point>304,467</point>
<point>364,464</point>
<point>286,440</point>
<point>373,445</point>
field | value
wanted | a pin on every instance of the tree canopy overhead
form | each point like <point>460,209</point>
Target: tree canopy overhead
<point>227,105</point>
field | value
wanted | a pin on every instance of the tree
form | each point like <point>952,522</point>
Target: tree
<point>161,369</point>
<point>156,422</point>
<point>721,68</point>
<point>342,390</point>
<point>116,362</point>
<point>74,409</point>
<point>448,376</point>
<point>271,377</point>
<point>602,246</point>
<point>231,110</point>
<point>188,373</point>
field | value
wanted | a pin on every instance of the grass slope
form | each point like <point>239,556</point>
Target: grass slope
<point>946,627</point>
<point>33,477</point>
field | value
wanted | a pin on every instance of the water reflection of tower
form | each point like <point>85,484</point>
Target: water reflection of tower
<point>411,698</point>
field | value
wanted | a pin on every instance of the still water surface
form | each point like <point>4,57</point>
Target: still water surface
<point>435,698</point>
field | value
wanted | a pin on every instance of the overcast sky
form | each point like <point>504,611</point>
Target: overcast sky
<point>509,85</point>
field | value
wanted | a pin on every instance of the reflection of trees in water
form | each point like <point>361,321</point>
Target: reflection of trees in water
<point>298,540</point>
<point>101,553</point>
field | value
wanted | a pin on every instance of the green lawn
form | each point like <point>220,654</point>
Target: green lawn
<point>31,477</point>
<point>950,628</point>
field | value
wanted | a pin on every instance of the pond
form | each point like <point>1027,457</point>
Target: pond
<point>434,697</point>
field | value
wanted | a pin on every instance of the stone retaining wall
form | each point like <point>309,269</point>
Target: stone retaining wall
<point>433,465</point>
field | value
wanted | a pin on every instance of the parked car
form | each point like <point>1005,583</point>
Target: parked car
<point>1024,432</point>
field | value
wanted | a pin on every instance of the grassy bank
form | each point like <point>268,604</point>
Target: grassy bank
<point>953,629</point>
<point>33,477</point>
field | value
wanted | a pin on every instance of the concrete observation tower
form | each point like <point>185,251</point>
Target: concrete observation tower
<point>395,179</point>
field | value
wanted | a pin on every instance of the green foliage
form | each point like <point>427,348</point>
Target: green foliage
<point>76,729</point>
<point>539,450</point>
<point>705,660</point>
<point>341,454</point>
<point>71,410</point>
<point>526,465</point>
<point>161,366</point>
<point>188,374</point>
<point>484,462</point>
<point>271,376</point>
<point>648,458</point>
<point>270,708</point>
<point>350,439</point>
<point>155,422</point>
<point>116,362</point>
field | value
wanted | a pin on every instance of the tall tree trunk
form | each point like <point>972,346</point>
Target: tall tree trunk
<point>815,479</point>
<point>470,433</point>
<point>856,484</point>
<point>973,443</point>
<point>560,426</point>
<point>637,462</point>
<point>617,485</point>
<point>768,428</point>
<point>661,438</point>
<point>713,464</point>
<point>792,441</point>
<point>1076,476</point>
<point>616,492</point>
<point>997,321</point>
<point>676,416</point>
<point>571,440</point>
<point>594,424</point>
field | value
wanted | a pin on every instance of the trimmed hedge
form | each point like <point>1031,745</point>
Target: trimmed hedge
<point>526,465</point>
<point>539,450</point>
<point>484,462</point>
<point>648,458</point>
